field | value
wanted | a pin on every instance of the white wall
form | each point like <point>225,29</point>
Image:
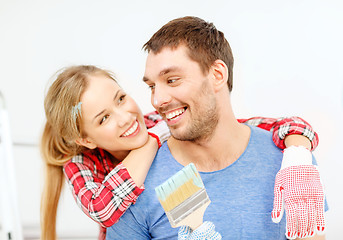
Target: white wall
<point>288,61</point>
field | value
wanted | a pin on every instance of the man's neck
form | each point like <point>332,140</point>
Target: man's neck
<point>227,144</point>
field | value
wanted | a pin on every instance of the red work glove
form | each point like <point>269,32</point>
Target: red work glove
<point>298,190</point>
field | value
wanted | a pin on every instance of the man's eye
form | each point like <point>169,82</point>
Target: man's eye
<point>103,119</point>
<point>173,80</point>
<point>151,87</point>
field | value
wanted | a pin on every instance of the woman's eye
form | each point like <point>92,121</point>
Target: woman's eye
<point>103,119</point>
<point>121,98</point>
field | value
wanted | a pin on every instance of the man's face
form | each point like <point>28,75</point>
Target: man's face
<point>181,93</point>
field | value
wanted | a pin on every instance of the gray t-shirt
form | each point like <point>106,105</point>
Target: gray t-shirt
<point>241,196</point>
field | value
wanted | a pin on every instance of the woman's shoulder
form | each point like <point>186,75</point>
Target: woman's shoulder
<point>94,158</point>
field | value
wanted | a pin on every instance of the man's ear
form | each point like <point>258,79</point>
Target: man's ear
<point>86,142</point>
<point>220,74</point>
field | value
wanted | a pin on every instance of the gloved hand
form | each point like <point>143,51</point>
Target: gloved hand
<point>160,131</point>
<point>299,191</point>
<point>204,232</point>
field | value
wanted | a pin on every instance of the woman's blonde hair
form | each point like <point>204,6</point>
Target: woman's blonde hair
<point>62,128</point>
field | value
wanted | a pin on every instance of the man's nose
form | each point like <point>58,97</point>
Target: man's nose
<point>160,97</point>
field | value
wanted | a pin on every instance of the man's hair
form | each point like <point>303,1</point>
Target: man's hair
<point>205,43</point>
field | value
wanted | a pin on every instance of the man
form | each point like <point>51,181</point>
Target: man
<point>189,70</point>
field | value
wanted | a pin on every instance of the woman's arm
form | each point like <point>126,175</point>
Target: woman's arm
<point>316,237</point>
<point>105,197</point>
<point>297,162</point>
<point>287,131</point>
<point>283,128</point>
<point>297,140</point>
<point>134,163</point>
<point>104,191</point>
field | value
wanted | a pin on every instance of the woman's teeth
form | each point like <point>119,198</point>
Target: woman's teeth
<point>175,113</point>
<point>131,130</point>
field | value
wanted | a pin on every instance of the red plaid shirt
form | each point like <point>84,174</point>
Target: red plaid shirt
<point>103,188</point>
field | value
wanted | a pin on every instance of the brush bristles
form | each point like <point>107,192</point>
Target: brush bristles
<point>181,194</point>
<point>179,187</point>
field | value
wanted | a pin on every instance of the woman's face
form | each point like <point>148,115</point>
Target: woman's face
<point>110,118</point>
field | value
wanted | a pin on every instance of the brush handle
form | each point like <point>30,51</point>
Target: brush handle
<point>195,219</point>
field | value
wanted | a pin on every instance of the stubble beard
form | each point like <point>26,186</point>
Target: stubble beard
<point>204,120</point>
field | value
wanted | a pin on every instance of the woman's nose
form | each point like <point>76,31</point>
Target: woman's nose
<point>123,117</point>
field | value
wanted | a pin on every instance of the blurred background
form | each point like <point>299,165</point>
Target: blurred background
<point>288,61</point>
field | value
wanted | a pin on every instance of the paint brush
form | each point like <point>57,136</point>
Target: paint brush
<point>183,197</point>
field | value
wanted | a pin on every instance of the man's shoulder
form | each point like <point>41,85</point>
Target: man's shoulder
<point>260,136</point>
<point>260,131</point>
<point>261,145</point>
<point>163,167</point>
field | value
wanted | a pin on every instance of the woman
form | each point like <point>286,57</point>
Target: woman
<point>96,134</point>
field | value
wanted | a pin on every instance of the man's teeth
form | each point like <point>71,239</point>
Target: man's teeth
<point>175,113</point>
<point>131,130</point>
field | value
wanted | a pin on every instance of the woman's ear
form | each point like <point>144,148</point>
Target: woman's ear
<point>86,142</point>
<point>220,74</point>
